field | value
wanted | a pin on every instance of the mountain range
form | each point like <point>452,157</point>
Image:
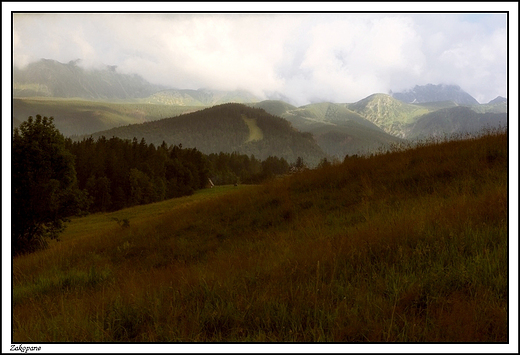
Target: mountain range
<point>104,102</point>
<point>49,78</point>
<point>434,93</point>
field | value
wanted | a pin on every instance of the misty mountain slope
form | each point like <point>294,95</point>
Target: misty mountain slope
<point>327,112</point>
<point>119,99</point>
<point>306,117</point>
<point>351,138</point>
<point>79,117</point>
<point>224,128</point>
<point>456,120</point>
<point>338,130</point>
<point>389,114</point>
<point>431,93</point>
<point>274,107</point>
<point>498,105</point>
<point>498,100</point>
<point>437,105</point>
<point>50,78</point>
<point>201,97</point>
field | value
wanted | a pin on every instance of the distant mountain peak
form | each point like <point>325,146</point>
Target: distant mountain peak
<point>73,62</point>
<point>51,78</point>
<point>497,100</point>
<point>435,93</point>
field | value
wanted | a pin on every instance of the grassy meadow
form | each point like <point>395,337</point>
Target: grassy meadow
<point>405,246</point>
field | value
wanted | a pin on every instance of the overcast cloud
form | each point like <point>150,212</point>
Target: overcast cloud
<point>340,57</point>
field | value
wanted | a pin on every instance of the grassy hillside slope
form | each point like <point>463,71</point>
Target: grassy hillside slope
<point>409,246</point>
<point>201,97</point>
<point>274,107</point>
<point>78,117</point>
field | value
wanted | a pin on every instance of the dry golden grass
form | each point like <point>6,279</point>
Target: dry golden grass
<point>407,246</point>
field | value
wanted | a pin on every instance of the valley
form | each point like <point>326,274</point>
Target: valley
<point>84,104</point>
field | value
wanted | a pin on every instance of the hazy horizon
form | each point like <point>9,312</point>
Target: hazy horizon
<point>299,57</point>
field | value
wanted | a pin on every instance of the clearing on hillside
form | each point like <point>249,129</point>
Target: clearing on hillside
<point>255,133</point>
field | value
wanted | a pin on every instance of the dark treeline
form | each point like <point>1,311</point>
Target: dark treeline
<point>230,168</point>
<point>118,173</point>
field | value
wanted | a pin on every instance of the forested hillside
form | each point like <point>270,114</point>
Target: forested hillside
<point>119,173</point>
<point>223,128</point>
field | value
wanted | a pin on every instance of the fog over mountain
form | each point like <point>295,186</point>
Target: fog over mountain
<point>299,57</point>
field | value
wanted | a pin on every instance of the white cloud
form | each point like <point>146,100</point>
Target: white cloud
<point>354,56</point>
<point>339,57</point>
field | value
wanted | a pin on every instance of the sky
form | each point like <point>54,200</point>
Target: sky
<point>299,57</point>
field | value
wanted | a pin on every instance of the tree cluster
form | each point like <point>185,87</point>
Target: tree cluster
<point>118,173</point>
<point>231,168</point>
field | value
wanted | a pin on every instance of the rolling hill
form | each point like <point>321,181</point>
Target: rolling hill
<point>455,120</point>
<point>325,112</point>
<point>227,128</point>
<point>79,117</point>
<point>274,107</point>
<point>338,130</point>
